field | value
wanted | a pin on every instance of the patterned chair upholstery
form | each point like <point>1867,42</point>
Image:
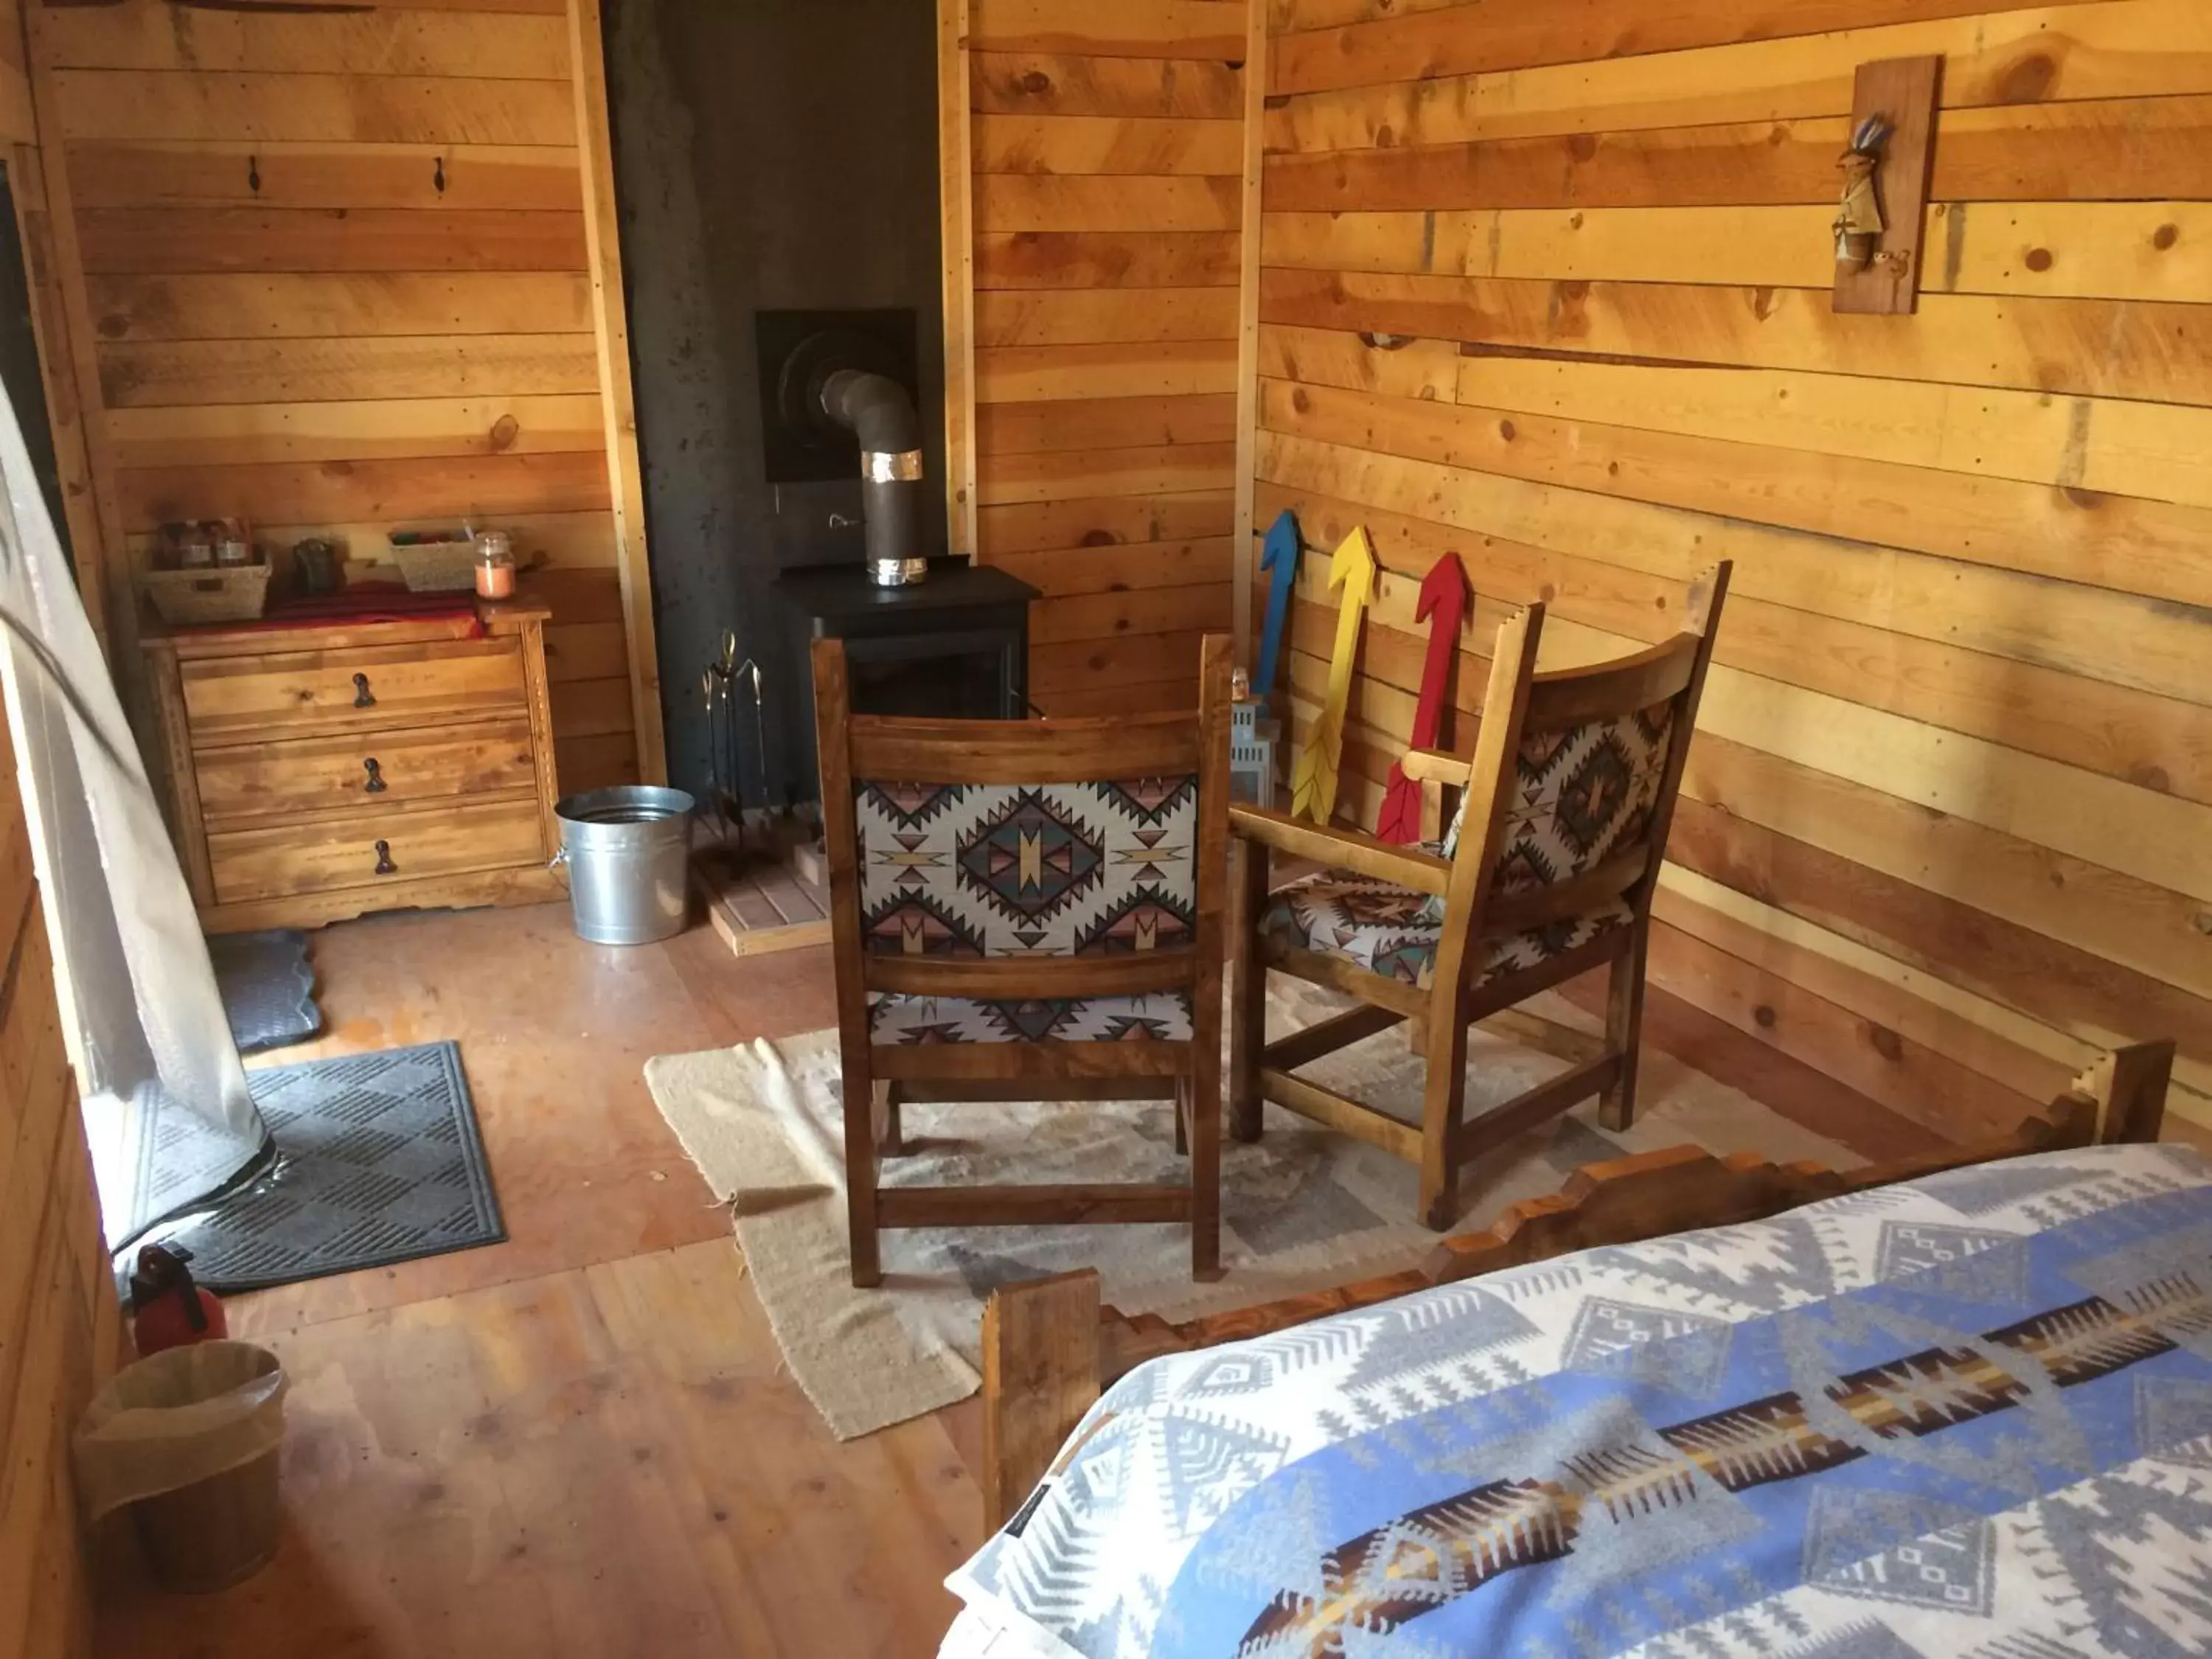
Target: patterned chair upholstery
<point>1580,795</point>
<point>969,871</point>
<point>1395,931</point>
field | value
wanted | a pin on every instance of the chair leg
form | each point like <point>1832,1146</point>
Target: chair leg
<point>1444,1100</point>
<point>1203,1090</point>
<point>860,1176</point>
<point>885,1120</point>
<point>1182,1117</point>
<point>1624,1033</point>
<point>1247,986</point>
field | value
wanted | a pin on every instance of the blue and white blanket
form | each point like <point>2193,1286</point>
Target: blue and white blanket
<point>1968,1418</point>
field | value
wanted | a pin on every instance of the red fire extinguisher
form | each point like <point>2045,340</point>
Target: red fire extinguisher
<point>168,1310</point>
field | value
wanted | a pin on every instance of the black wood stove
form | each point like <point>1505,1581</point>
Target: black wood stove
<point>954,646</point>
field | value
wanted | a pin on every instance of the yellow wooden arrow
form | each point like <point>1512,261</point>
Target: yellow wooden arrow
<point>1313,785</point>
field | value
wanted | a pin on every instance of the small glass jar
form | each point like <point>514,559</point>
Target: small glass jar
<point>233,546</point>
<point>494,565</point>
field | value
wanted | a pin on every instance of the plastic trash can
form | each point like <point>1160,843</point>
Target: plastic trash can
<point>628,853</point>
<point>188,1441</point>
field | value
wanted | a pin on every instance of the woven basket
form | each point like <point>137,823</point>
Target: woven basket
<point>437,567</point>
<point>216,593</point>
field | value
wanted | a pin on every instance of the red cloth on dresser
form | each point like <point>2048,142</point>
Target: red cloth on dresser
<point>364,602</point>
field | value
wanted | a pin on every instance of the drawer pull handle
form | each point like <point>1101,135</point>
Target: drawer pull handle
<point>362,697</point>
<point>376,785</point>
<point>385,866</point>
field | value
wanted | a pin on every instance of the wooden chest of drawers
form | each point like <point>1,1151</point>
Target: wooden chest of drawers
<point>321,773</point>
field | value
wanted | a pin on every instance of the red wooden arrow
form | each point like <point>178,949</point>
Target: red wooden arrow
<point>1443,605</point>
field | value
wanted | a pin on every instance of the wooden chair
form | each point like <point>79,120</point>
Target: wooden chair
<point>1549,873</point>
<point>1025,911</point>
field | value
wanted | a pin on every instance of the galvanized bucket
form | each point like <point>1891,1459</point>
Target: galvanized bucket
<point>628,853</point>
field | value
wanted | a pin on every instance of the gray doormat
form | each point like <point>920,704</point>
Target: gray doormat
<point>268,989</point>
<point>378,1160</point>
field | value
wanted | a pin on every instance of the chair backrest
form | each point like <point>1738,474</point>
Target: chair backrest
<point>1572,788</point>
<point>1016,859</point>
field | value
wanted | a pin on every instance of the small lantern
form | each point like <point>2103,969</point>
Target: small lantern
<point>1252,753</point>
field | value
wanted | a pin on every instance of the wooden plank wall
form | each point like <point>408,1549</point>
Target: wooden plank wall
<point>1106,200</point>
<point>1548,286</point>
<point>332,273</point>
<point>60,1329</point>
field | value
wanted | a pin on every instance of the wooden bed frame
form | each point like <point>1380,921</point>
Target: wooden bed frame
<point>1050,1350</point>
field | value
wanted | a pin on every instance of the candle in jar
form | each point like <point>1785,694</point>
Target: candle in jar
<point>496,565</point>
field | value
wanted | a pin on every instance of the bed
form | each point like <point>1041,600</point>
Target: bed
<point>1959,1409</point>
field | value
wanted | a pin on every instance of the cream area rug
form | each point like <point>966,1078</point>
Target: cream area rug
<point>1304,1208</point>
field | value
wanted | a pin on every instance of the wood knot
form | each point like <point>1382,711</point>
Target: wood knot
<point>2165,237</point>
<point>1569,317</point>
<point>2040,260</point>
<point>2027,81</point>
<point>1764,1018</point>
<point>1508,431</point>
<point>1098,539</point>
<point>1886,1042</point>
<point>1583,147</point>
<point>1036,83</point>
<point>504,431</point>
<point>1301,400</point>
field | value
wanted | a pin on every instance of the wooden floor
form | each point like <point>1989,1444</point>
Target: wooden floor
<point>581,1442</point>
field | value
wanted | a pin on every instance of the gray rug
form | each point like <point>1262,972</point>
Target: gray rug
<point>378,1161</point>
<point>268,989</point>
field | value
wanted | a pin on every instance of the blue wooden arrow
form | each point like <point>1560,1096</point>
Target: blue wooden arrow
<point>1279,555</point>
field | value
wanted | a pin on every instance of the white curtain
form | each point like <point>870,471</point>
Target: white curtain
<point>166,1104</point>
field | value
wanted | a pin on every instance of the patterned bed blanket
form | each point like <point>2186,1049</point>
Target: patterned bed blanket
<point>1968,1418</point>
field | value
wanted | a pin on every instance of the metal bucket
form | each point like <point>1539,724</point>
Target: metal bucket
<point>628,853</point>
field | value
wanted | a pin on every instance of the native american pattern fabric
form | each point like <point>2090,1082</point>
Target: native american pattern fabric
<point>1160,1017</point>
<point>1965,1418</point>
<point>1394,931</point>
<point>1056,870</point>
<point>1578,796</point>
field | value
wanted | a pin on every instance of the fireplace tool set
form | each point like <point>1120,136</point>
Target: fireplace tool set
<point>725,791</point>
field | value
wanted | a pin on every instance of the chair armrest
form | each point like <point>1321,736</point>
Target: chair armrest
<point>1434,766</point>
<point>1341,849</point>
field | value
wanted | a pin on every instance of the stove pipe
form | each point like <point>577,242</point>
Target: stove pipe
<point>879,413</point>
